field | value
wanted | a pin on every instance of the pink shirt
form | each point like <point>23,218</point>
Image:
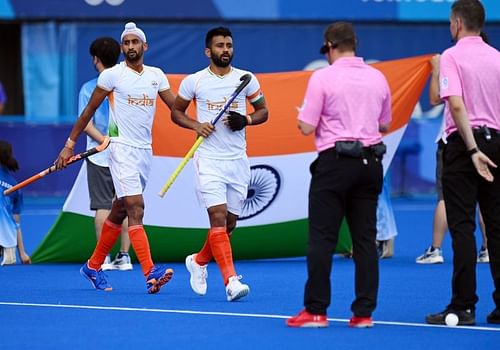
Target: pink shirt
<point>471,69</point>
<point>346,101</point>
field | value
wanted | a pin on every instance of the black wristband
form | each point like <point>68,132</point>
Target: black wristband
<point>472,151</point>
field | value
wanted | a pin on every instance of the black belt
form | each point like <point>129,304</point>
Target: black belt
<point>485,131</point>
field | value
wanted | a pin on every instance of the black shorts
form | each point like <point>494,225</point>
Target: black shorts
<point>100,184</point>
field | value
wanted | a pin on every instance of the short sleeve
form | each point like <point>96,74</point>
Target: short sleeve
<point>106,79</point>
<point>310,112</point>
<point>449,79</point>
<point>186,89</point>
<point>163,83</point>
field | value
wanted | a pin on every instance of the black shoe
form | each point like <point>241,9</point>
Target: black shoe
<point>465,317</point>
<point>494,316</point>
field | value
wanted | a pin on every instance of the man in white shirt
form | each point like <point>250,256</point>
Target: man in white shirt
<point>221,163</point>
<point>132,88</point>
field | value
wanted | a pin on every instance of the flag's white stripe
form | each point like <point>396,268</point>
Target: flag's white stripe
<point>180,207</point>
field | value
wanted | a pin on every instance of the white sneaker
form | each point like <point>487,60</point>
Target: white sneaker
<point>431,256</point>
<point>9,256</point>
<point>198,274</point>
<point>235,289</point>
<point>483,256</point>
<point>106,265</point>
<point>122,262</point>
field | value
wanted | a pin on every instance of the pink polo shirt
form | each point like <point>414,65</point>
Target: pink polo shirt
<point>471,69</point>
<point>346,101</point>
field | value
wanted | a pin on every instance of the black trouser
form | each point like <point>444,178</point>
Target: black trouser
<point>343,186</point>
<point>463,188</point>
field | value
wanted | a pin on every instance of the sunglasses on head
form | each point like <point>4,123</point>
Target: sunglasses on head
<point>326,47</point>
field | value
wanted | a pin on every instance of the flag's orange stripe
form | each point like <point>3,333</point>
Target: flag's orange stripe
<point>284,92</point>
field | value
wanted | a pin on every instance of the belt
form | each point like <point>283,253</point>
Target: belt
<point>483,130</point>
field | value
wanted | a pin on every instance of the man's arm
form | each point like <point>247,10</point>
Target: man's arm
<point>180,118</point>
<point>167,97</point>
<point>305,128</point>
<point>261,113</point>
<point>434,97</point>
<point>95,101</point>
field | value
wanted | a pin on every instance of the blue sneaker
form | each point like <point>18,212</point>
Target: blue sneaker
<point>97,278</point>
<point>158,277</point>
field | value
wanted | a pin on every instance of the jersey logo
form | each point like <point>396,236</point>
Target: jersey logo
<point>141,101</point>
<point>154,84</point>
<point>217,106</point>
<point>444,83</point>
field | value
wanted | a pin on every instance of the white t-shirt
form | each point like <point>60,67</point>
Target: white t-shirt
<point>211,92</point>
<point>132,102</point>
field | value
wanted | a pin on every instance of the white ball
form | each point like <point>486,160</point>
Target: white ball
<point>451,320</point>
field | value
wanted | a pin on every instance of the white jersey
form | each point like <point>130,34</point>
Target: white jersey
<point>211,91</point>
<point>132,102</point>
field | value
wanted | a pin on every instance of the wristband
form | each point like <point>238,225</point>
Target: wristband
<point>472,151</point>
<point>249,119</point>
<point>70,143</point>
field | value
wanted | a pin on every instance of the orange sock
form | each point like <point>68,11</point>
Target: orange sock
<point>140,244</point>
<point>109,235</point>
<point>205,255</point>
<point>221,249</point>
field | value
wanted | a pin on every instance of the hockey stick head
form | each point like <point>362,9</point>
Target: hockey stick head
<point>245,80</point>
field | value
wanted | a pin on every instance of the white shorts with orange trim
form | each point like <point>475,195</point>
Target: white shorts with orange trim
<point>130,168</point>
<point>222,182</point>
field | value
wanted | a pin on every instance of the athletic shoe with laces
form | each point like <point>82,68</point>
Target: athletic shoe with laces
<point>122,262</point>
<point>483,256</point>
<point>305,319</point>
<point>360,322</point>
<point>199,274</point>
<point>494,316</point>
<point>465,317</point>
<point>106,265</point>
<point>235,289</point>
<point>431,256</point>
<point>97,278</point>
<point>157,278</point>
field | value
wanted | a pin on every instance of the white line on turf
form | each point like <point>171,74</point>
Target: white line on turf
<point>233,314</point>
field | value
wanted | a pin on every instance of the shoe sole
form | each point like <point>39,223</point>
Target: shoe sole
<point>242,293</point>
<point>361,325</point>
<point>157,284</point>
<point>92,282</point>
<point>430,261</point>
<point>308,325</point>
<point>124,267</point>
<point>191,280</point>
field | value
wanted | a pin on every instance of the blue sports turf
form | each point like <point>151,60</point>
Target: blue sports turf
<point>53,307</point>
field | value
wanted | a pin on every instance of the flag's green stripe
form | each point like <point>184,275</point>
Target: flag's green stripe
<point>72,239</point>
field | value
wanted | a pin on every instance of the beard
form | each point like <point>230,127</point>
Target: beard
<point>221,62</point>
<point>134,56</point>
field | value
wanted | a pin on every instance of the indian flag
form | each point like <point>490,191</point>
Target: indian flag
<point>274,219</point>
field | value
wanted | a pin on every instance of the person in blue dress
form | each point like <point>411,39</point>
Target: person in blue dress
<point>10,210</point>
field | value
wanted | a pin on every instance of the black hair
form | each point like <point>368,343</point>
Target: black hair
<point>106,49</point>
<point>219,31</point>
<point>471,12</point>
<point>6,158</point>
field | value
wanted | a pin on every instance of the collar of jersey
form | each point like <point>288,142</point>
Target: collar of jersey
<point>217,75</point>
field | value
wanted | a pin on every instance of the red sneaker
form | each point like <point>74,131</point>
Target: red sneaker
<point>361,322</point>
<point>306,319</point>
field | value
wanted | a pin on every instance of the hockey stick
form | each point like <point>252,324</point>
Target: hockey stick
<point>245,80</point>
<point>76,157</point>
